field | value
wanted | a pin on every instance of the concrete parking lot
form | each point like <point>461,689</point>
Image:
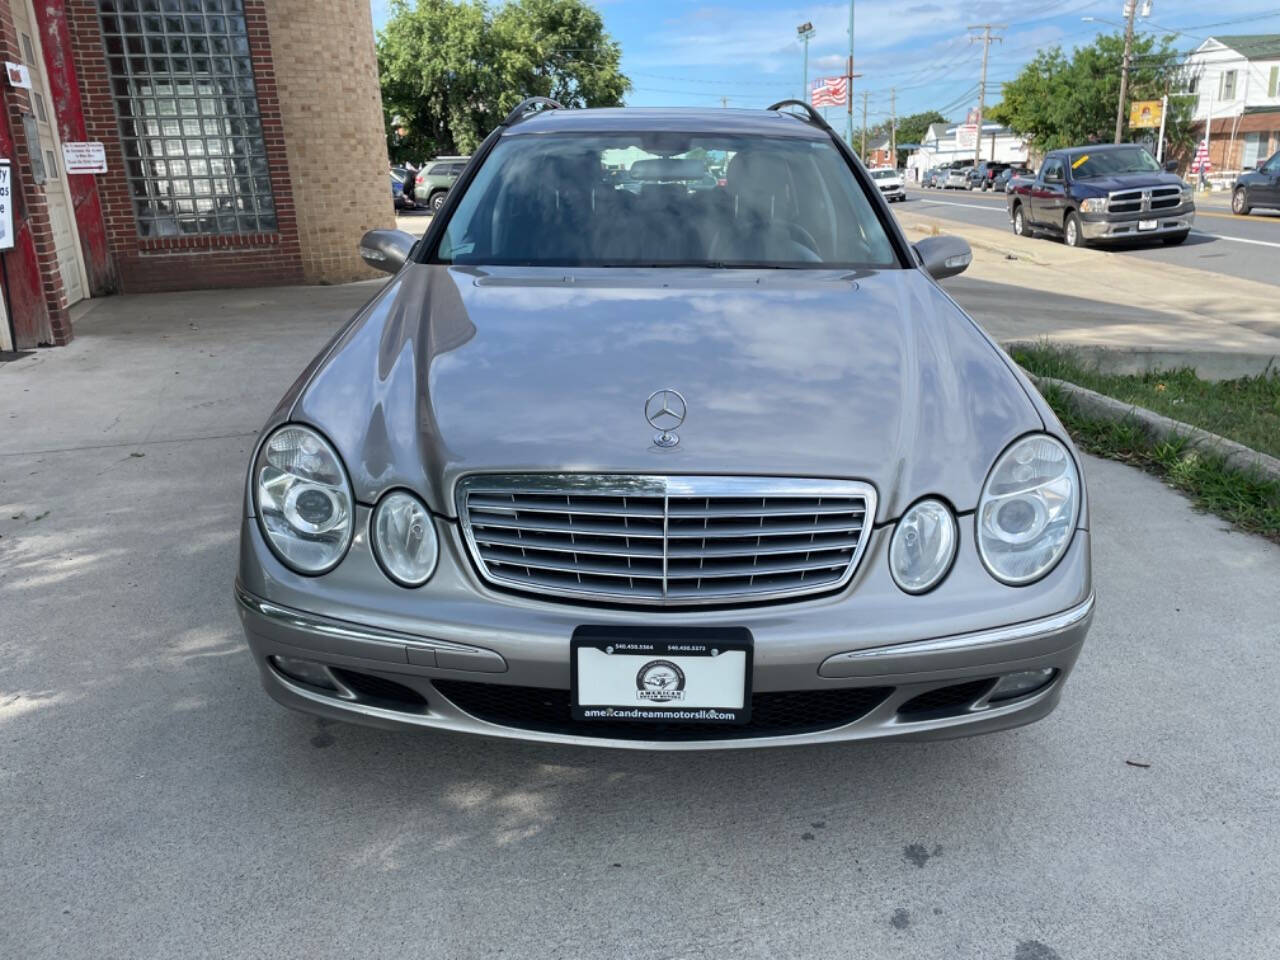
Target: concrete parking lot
<point>157,804</point>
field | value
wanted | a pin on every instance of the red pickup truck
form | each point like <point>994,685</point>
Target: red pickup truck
<point>1102,192</point>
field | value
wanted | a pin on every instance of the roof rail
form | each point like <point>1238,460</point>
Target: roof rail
<point>528,106</point>
<point>814,116</point>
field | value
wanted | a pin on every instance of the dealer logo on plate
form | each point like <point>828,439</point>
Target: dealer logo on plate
<point>660,681</point>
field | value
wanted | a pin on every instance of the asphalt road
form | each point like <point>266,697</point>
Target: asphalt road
<point>156,804</point>
<point>1245,247</point>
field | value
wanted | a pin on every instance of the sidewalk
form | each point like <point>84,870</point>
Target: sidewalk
<point>1020,288</point>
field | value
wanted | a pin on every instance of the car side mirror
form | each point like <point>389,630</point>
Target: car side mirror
<point>386,250</point>
<point>1171,166</point>
<point>944,257</point>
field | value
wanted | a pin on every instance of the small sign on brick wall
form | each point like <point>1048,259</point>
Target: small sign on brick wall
<point>84,157</point>
<point>6,208</point>
<point>19,75</point>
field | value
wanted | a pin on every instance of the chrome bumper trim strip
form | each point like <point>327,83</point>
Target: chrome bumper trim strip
<point>983,638</point>
<point>345,630</point>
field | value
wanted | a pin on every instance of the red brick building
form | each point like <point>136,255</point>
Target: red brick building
<point>213,115</point>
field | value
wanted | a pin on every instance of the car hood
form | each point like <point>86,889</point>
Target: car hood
<point>876,376</point>
<point>1131,181</point>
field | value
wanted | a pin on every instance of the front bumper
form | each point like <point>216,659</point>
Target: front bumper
<point>460,657</point>
<point>1126,227</point>
<point>894,193</point>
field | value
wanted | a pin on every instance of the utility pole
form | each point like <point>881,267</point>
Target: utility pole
<point>864,126</point>
<point>986,39</point>
<point>850,75</point>
<point>1130,9</point>
<point>849,95</point>
<point>804,32</point>
<point>893,126</point>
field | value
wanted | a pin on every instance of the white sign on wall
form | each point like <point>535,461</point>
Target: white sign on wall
<point>19,76</point>
<point>6,208</point>
<point>84,157</point>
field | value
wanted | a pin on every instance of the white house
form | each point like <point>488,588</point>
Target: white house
<point>947,142</point>
<point>1237,79</point>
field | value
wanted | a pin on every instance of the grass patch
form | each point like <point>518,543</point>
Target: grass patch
<point>1247,410</point>
<point>1249,500</point>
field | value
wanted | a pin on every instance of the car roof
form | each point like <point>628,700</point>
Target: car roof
<point>775,123</point>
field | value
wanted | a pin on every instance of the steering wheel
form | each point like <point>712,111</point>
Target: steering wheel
<point>801,236</point>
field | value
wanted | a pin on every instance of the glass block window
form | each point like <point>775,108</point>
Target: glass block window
<point>182,80</point>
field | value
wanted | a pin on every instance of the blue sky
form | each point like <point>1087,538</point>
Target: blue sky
<point>690,53</point>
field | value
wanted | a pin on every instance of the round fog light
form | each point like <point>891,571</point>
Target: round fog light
<point>1013,685</point>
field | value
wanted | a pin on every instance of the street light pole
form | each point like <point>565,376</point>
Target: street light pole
<point>804,32</point>
<point>1131,9</point>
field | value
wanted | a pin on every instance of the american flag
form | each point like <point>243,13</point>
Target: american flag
<point>1202,161</point>
<point>830,92</point>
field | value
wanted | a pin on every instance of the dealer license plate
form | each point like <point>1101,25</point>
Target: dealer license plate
<point>1148,224</point>
<point>661,675</point>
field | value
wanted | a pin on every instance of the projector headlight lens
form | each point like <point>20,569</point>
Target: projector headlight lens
<point>303,499</point>
<point>1028,510</point>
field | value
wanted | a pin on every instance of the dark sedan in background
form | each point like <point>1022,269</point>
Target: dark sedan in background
<point>1258,188</point>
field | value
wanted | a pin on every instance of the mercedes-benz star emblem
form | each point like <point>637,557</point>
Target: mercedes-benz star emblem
<point>665,410</point>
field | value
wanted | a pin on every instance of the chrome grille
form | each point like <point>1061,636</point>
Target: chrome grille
<point>1133,201</point>
<point>1165,198</point>
<point>665,540</point>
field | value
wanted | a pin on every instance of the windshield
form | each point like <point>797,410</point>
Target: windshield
<point>884,174</point>
<point>665,199</point>
<point>1107,163</point>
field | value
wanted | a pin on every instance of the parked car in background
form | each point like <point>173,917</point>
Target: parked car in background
<point>1257,188</point>
<point>926,178</point>
<point>957,178</point>
<point>1103,192</point>
<point>1006,176</point>
<point>985,173</point>
<point>889,182</point>
<point>791,524</point>
<point>399,198</point>
<point>434,180</point>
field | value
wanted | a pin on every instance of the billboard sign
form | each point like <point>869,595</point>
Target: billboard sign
<point>1145,113</point>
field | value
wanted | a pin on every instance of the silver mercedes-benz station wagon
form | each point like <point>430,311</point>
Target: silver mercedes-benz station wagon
<point>664,436</point>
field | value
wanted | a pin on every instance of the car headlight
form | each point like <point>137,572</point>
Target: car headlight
<point>1094,205</point>
<point>923,546</point>
<point>1188,192</point>
<point>1028,509</point>
<point>404,539</point>
<point>303,499</point>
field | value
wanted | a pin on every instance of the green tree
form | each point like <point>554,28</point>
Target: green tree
<point>912,128</point>
<point>450,71</point>
<point>1058,101</point>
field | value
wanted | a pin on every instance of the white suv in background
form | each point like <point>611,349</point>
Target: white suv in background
<point>889,181</point>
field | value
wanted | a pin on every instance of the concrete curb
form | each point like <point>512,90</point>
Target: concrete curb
<point>928,226</point>
<point>1208,364</point>
<point>1095,404</point>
